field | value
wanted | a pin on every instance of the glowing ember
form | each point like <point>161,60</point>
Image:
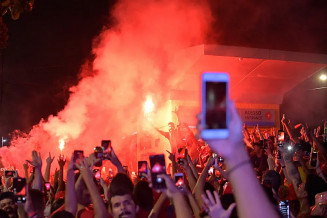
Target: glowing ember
<point>61,144</point>
<point>148,105</point>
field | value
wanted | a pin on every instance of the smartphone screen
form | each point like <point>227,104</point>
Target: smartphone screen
<point>78,155</point>
<point>47,186</point>
<point>179,180</point>
<point>142,168</point>
<point>284,208</point>
<point>182,153</point>
<point>19,185</point>
<point>214,105</point>
<point>158,167</point>
<point>281,136</point>
<point>10,173</point>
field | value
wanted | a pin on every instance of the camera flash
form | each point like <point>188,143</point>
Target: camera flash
<point>289,147</point>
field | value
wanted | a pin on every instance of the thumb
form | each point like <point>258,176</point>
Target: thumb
<point>230,209</point>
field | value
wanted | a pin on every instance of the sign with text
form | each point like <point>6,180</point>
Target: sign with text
<point>263,117</point>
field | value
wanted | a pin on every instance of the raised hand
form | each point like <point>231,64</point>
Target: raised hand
<point>37,161</point>
<point>49,160</point>
<point>61,161</point>
<point>214,207</point>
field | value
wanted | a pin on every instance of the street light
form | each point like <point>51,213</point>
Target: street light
<point>323,77</point>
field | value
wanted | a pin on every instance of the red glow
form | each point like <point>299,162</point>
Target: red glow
<point>140,55</point>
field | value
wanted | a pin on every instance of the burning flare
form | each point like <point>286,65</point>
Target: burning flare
<point>61,144</point>
<point>148,105</point>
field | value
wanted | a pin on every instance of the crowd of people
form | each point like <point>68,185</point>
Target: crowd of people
<point>253,173</point>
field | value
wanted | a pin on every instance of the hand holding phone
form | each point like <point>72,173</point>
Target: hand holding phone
<point>142,168</point>
<point>19,185</point>
<point>158,167</point>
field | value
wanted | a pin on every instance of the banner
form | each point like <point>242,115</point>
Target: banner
<point>263,117</point>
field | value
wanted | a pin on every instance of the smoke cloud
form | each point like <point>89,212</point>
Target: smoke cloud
<point>136,58</point>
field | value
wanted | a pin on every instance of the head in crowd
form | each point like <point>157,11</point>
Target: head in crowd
<point>121,201</point>
<point>258,148</point>
<point>82,194</point>
<point>143,195</point>
<point>7,204</point>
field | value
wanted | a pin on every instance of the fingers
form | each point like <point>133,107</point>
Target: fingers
<point>210,197</point>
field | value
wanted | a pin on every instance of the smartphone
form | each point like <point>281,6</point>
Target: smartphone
<point>280,136</point>
<point>179,180</point>
<point>19,185</point>
<point>158,167</point>
<point>142,168</point>
<point>106,144</point>
<point>214,107</point>
<point>10,173</point>
<point>313,159</point>
<point>284,208</point>
<point>181,154</point>
<point>78,155</point>
<point>97,174</point>
<point>47,186</point>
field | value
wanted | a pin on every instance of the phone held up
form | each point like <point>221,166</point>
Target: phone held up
<point>158,167</point>
<point>19,185</point>
<point>142,168</point>
<point>179,180</point>
<point>215,100</point>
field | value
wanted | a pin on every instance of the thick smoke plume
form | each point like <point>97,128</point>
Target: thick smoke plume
<point>134,59</point>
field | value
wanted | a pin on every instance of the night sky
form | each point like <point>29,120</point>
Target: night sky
<point>47,46</point>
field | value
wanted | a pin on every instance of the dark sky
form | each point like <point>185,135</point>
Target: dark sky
<point>47,46</point>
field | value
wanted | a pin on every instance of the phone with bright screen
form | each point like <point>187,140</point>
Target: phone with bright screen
<point>215,95</point>
<point>158,167</point>
<point>281,136</point>
<point>284,208</point>
<point>10,173</point>
<point>47,186</point>
<point>179,180</point>
<point>19,187</point>
<point>142,168</point>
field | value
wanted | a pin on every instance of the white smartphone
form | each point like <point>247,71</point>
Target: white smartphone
<point>215,100</point>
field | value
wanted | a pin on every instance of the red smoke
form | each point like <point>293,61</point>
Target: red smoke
<point>139,56</point>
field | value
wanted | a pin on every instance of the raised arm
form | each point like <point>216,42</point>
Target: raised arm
<point>70,194</point>
<point>61,162</point>
<point>100,210</point>
<point>245,184</point>
<point>49,161</point>
<point>37,163</point>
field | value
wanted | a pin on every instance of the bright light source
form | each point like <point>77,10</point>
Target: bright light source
<point>148,105</point>
<point>323,77</point>
<point>289,147</point>
<point>61,144</point>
